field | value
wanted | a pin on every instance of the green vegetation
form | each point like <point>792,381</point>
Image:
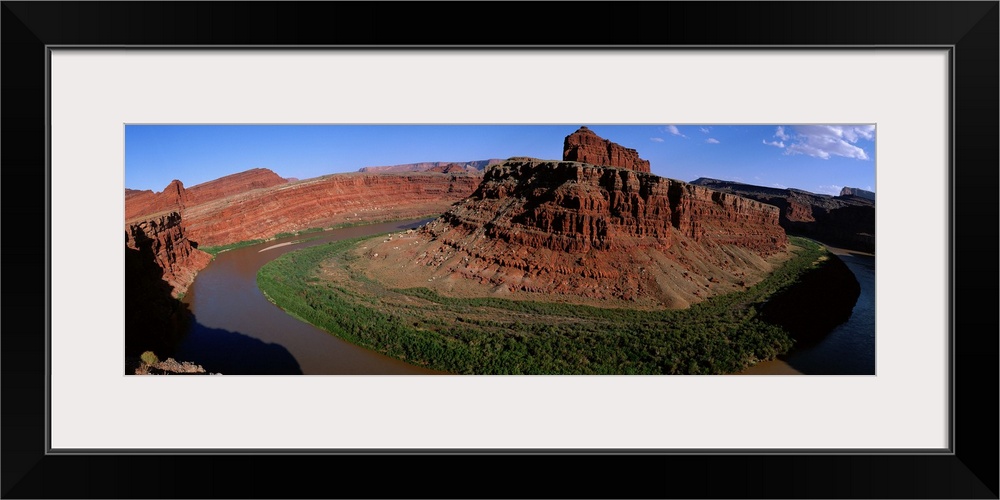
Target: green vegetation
<point>149,358</point>
<point>232,246</point>
<point>216,250</point>
<point>501,336</point>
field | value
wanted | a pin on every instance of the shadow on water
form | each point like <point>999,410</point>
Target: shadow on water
<point>156,321</point>
<point>832,317</point>
<point>233,353</point>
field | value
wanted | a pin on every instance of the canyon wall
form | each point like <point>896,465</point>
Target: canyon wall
<point>573,207</point>
<point>592,232</point>
<point>257,178</point>
<point>322,202</point>
<point>861,193</point>
<point>470,166</point>
<point>847,220</point>
<point>141,204</point>
<point>161,239</point>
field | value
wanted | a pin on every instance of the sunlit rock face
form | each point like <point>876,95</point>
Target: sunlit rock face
<point>587,147</point>
<point>571,228</point>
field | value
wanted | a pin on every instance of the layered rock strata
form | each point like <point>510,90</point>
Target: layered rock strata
<point>162,240</point>
<point>258,204</point>
<point>860,193</point>
<point>578,230</point>
<point>587,147</point>
<point>141,204</point>
<point>257,178</point>
<point>847,220</point>
<point>431,166</point>
<point>324,201</point>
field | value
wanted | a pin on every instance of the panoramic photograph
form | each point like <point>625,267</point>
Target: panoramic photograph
<point>556,249</point>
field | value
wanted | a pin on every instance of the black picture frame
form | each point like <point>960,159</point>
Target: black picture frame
<point>969,28</point>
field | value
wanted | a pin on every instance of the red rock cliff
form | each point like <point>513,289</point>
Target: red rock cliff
<point>575,207</point>
<point>258,204</point>
<point>596,232</point>
<point>162,239</point>
<point>585,146</point>
<point>256,178</point>
<point>324,201</point>
<point>139,204</point>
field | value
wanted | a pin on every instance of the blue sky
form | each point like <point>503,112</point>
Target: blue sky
<point>816,158</point>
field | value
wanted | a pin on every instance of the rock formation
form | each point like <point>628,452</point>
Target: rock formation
<point>578,230</point>
<point>847,220</point>
<point>471,166</point>
<point>161,239</point>
<point>257,178</point>
<point>258,204</point>
<point>141,204</point>
<point>324,201</point>
<point>861,193</point>
<point>585,146</point>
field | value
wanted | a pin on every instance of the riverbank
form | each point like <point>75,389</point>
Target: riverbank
<point>847,345</point>
<point>772,367</point>
<point>236,331</point>
<point>216,250</point>
<point>489,335</point>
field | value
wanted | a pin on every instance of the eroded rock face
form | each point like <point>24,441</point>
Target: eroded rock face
<point>860,193</point>
<point>595,232</point>
<point>847,220</point>
<point>587,147</point>
<point>432,166</point>
<point>324,201</point>
<point>162,239</point>
<point>139,204</point>
<point>258,204</point>
<point>257,178</point>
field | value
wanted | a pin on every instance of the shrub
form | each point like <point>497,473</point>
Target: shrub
<point>149,358</point>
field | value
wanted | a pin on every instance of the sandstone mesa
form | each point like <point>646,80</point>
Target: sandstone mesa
<point>568,228</point>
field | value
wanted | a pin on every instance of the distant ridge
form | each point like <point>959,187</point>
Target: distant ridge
<point>475,165</point>
<point>860,193</point>
<point>847,220</point>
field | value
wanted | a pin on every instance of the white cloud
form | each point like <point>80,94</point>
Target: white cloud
<point>712,140</point>
<point>774,143</point>
<point>780,134</point>
<point>779,186</point>
<point>704,130</point>
<point>656,139</point>
<point>824,141</point>
<point>673,130</point>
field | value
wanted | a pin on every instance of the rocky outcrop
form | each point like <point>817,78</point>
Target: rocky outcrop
<point>860,193</point>
<point>159,265</point>
<point>258,204</point>
<point>162,239</point>
<point>323,202</point>
<point>257,178</point>
<point>587,147</point>
<point>469,166</point>
<point>575,229</point>
<point>450,168</point>
<point>141,204</point>
<point>847,220</point>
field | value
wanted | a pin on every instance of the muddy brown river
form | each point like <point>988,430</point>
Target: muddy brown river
<point>237,331</point>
